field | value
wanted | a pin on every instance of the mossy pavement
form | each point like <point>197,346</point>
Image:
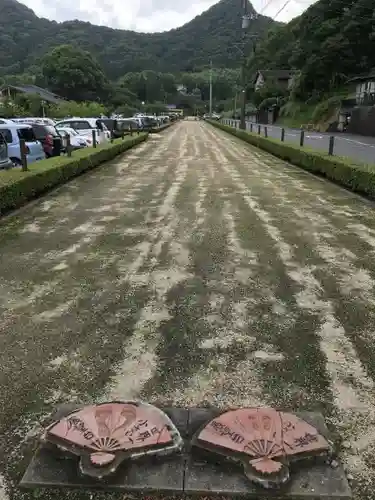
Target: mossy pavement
<point>193,270</point>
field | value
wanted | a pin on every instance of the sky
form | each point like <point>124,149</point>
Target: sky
<point>149,15</point>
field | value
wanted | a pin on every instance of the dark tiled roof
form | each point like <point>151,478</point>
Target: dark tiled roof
<point>364,78</point>
<point>280,74</point>
<point>45,94</point>
<point>275,74</point>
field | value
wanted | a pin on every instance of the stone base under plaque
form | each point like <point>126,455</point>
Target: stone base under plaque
<point>191,473</point>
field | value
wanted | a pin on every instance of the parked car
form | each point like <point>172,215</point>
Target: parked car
<point>110,124</point>
<point>47,135</point>
<point>127,124</point>
<point>5,161</point>
<point>85,126</point>
<point>12,133</point>
<point>139,121</point>
<point>150,121</point>
<point>77,141</point>
<point>29,121</point>
<point>118,126</point>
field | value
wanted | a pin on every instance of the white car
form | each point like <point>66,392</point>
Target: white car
<point>85,127</point>
<point>30,121</point>
<point>76,140</point>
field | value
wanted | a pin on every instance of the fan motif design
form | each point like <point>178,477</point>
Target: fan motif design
<point>106,434</point>
<point>264,440</point>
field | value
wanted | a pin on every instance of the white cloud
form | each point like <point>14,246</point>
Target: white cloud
<point>148,15</point>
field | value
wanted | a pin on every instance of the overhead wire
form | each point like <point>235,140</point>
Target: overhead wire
<point>287,2</point>
<point>329,11</point>
<point>282,8</point>
<point>267,5</point>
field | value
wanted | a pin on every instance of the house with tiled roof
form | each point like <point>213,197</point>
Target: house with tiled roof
<point>282,78</point>
<point>9,91</point>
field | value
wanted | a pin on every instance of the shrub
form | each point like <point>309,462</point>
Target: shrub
<point>324,110</point>
<point>18,187</point>
<point>267,103</point>
<point>357,177</point>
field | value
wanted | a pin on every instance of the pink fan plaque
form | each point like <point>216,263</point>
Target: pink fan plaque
<point>105,435</point>
<point>264,440</point>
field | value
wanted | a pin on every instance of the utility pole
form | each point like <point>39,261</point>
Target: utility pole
<point>211,88</point>
<point>245,25</point>
<point>246,18</point>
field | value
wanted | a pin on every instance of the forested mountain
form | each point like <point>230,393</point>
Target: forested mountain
<point>24,38</point>
<point>330,42</point>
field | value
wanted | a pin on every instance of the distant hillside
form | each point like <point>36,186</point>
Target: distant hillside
<point>24,38</point>
<point>330,42</point>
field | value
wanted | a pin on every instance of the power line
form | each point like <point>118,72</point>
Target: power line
<point>267,5</point>
<point>282,8</point>
<point>338,10</point>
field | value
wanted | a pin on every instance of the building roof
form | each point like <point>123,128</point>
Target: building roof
<point>364,78</point>
<point>44,94</point>
<point>275,74</point>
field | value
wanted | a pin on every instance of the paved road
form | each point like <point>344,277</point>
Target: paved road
<point>355,147</point>
<point>351,146</point>
<point>193,270</point>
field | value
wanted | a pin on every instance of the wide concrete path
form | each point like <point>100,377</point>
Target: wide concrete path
<point>193,270</point>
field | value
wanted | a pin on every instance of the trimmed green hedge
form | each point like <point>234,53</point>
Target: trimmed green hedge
<point>357,177</point>
<point>18,187</point>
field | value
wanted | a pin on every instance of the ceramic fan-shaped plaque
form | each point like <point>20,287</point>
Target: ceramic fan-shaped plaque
<point>264,440</point>
<point>105,435</point>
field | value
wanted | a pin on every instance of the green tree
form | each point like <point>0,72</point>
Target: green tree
<point>72,108</point>
<point>119,96</point>
<point>327,44</point>
<point>31,105</point>
<point>22,79</point>
<point>25,38</point>
<point>74,74</point>
<point>149,86</point>
<point>126,110</point>
<point>155,108</point>
<point>8,109</point>
<point>268,92</point>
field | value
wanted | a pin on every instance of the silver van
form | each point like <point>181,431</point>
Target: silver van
<point>5,161</point>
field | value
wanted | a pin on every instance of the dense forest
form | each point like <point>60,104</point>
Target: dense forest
<point>329,43</point>
<point>76,75</point>
<point>215,34</point>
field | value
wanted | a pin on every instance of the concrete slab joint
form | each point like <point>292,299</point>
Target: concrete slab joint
<point>197,451</point>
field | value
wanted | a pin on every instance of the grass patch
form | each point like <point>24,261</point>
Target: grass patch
<point>325,109</point>
<point>357,177</point>
<point>295,114</point>
<point>18,187</point>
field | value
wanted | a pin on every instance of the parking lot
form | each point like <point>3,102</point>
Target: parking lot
<point>24,141</point>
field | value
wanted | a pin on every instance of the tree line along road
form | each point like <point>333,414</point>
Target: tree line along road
<point>195,269</point>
